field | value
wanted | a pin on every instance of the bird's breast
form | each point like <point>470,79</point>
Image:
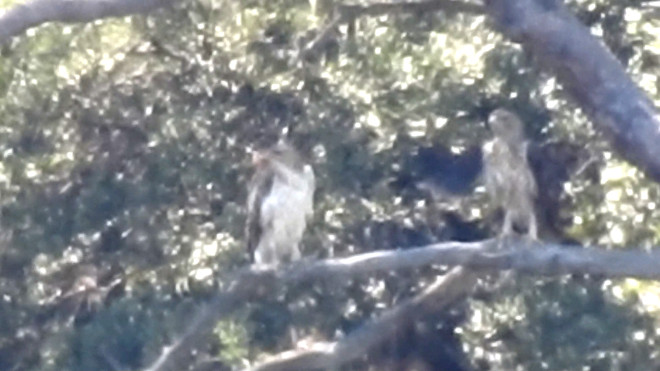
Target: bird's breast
<point>285,201</point>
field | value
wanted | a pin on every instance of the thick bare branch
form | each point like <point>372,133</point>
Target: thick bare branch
<point>589,72</point>
<point>446,290</point>
<point>36,12</point>
<point>539,259</point>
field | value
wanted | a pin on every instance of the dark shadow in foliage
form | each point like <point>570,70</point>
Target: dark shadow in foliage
<point>119,337</point>
<point>270,320</point>
<point>437,169</point>
<point>428,344</point>
<point>458,229</point>
<point>553,164</point>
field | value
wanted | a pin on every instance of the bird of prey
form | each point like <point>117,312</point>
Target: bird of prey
<point>279,204</point>
<point>508,178</point>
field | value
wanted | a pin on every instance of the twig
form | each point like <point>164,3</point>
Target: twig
<point>114,363</point>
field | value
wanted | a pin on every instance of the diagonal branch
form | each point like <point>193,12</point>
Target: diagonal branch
<point>444,291</point>
<point>36,12</point>
<point>589,72</point>
<point>540,259</point>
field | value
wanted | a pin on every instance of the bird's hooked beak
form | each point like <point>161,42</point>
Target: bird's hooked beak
<point>259,158</point>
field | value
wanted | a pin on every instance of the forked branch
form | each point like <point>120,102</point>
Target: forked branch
<point>539,259</point>
<point>443,292</point>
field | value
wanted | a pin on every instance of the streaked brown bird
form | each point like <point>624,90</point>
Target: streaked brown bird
<point>279,204</point>
<point>508,177</point>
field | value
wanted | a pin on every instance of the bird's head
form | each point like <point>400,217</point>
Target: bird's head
<point>506,125</point>
<point>281,152</point>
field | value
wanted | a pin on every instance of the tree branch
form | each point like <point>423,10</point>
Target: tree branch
<point>444,291</point>
<point>36,12</point>
<point>348,12</point>
<point>376,9</point>
<point>533,258</point>
<point>589,72</point>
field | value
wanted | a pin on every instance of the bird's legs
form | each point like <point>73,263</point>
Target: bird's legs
<point>506,277</point>
<point>293,334</point>
<point>507,229</point>
<point>295,253</point>
<point>532,230</point>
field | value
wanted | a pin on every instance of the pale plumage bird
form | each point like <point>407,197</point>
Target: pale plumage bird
<point>279,204</point>
<point>508,178</point>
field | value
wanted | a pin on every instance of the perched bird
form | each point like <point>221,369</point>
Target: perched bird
<point>509,180</point>
<point>279,203</point>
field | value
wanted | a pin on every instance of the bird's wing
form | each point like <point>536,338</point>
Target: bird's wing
<point>491,174</point>
<point>310,180</point>
<point>530,180</point>
<point>258,189</point>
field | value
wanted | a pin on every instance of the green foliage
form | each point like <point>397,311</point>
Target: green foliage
<point>234,340</point>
